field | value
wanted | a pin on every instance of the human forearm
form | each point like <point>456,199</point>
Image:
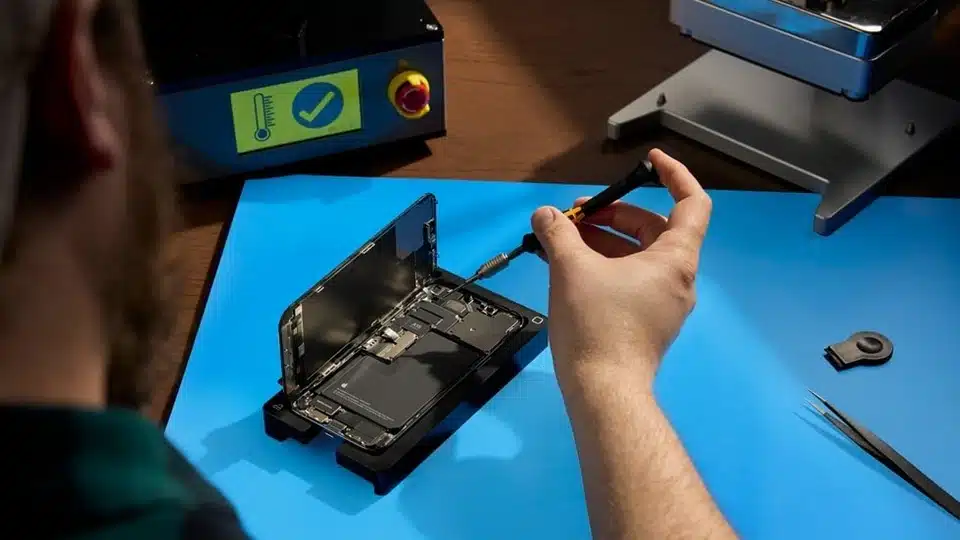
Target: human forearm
<point>639,481</point>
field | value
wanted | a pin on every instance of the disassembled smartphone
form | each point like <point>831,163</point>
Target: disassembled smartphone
<point>381,355</point>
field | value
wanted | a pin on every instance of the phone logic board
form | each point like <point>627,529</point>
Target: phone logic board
<point>373,392</point>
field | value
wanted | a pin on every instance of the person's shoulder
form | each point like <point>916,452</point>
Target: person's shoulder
<point>169,522</point>
<point>212,522</point>
<point>192,509</point>
<point>208,515</point>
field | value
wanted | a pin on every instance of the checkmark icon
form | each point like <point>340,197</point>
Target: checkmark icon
<point>309,117</point>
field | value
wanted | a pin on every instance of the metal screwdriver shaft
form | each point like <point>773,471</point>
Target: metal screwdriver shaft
<point>490,268</point>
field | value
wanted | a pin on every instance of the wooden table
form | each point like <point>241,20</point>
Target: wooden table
<point>530,86</point>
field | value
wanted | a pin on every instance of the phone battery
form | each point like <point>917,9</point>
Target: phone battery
<point>392,394</point>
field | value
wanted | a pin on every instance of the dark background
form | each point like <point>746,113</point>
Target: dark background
<point>530,85</point>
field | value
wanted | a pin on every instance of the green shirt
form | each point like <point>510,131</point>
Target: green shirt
<point>103,475</point>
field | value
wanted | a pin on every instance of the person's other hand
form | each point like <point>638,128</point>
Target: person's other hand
<point>620,300</point>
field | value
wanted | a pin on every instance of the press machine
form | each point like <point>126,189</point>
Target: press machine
<point>806,90</point>
<point>247,85</point>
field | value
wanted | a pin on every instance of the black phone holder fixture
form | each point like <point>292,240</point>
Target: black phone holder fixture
<point>387,469</point>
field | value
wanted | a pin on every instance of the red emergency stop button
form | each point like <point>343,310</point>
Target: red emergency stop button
<point>413,98</point>
<point>409,92</point>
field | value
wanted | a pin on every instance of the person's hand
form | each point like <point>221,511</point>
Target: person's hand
<point>620,300</point>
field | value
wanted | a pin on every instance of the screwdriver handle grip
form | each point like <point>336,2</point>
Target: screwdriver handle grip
<point>530,244</point>
<point>643,174</point>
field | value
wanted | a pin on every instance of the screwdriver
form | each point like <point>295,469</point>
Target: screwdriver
<point>642,175</point>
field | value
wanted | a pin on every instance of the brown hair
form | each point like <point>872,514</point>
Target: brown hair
<point>134,286</point>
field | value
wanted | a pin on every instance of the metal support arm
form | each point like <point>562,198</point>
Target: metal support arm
<point>804,135</point>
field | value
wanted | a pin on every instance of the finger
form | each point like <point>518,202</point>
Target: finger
<point>640,224</point>
<point>691,214</point>
<point>607,243</point>
<point>558,235</point>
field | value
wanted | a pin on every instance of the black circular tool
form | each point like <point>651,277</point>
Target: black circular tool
<point>860,349</point>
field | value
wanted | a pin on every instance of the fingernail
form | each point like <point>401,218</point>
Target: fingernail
<point>543,217</point>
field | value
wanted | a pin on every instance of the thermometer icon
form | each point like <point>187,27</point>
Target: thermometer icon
<point>263,111</point>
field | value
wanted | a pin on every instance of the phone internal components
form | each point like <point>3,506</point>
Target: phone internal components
<point>456,306</point>
<point>392,394</point>
<point>413,325</point>
<point>482,331</point>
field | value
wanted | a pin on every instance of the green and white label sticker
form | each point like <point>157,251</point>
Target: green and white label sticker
<point>296,111</point>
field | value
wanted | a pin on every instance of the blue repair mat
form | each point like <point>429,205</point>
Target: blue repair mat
<point>772,295</point>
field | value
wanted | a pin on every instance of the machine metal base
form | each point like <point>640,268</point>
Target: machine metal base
<point>804,135</point>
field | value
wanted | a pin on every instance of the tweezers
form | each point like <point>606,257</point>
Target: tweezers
<point>886,455</point>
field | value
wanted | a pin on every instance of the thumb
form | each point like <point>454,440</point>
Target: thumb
<point>557,234</point>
